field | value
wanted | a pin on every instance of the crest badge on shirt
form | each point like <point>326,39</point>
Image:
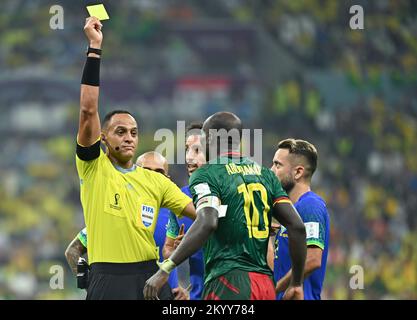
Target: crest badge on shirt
<point>148,213</point>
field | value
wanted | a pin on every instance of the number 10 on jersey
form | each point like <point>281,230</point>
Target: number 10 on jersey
<point>249,200</point>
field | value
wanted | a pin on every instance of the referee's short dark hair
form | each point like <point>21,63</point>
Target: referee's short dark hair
<point>304,149</point>
<point>110,115</point>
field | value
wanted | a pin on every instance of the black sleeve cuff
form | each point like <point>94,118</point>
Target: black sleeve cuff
<point>88,153</point>
<point>91,72</point>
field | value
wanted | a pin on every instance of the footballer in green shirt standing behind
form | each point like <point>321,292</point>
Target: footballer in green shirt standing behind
<point>235,199</point>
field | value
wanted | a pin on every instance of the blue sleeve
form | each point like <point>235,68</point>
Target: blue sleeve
<point>314,217</point>
<point>173,279</point>
<point>173,227</point>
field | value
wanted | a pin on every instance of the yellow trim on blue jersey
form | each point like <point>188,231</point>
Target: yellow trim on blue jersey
<point>171,236</point>
<point>315,243</point>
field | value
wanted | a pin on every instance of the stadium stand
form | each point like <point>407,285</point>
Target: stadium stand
<point>351,93</point>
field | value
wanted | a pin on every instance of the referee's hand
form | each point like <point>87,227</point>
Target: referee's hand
<point>92,30</point>
<point>154,284</point>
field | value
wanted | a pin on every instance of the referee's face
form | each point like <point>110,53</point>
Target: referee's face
<point>122,137</point>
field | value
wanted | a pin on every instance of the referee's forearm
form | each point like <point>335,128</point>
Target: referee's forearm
<point>89,128</point>
<point>89,99</point>
<point>90,84</point>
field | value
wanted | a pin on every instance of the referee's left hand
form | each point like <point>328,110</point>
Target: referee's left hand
<point>154,284</point>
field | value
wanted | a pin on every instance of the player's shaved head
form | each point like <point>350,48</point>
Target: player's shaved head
<point>223,132</point>
<point>223,120</point>
<point>153,160</point>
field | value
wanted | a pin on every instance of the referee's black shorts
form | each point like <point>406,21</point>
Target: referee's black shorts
<point>122,281</point>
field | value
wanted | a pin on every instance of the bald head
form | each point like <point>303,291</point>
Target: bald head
<point>154,161</point>
<point>223,120</point>
<point>223,131</point>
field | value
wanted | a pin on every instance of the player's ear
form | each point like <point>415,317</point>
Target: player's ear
<point>299,172</point>
<point>103,137</point>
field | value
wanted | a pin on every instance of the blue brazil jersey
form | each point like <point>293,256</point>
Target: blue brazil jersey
<point>159,236</point>
<point>196,261</point>
<point>313,212</point>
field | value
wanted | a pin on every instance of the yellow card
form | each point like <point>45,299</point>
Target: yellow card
<point>98,11</point>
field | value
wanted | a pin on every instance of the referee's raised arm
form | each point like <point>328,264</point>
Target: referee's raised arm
<point>89,125</point>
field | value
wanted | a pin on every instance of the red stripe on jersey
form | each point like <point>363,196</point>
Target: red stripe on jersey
<point>211,296</point>
<point>229,285</point>
<point>282,199</point>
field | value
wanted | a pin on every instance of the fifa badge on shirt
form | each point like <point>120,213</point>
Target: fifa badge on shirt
<point>312,230</point>
<point>148,214</point>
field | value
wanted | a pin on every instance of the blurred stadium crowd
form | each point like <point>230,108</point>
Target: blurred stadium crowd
<point>291,67</point>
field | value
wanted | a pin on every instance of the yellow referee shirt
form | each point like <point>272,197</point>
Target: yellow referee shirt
<point>121,209</point>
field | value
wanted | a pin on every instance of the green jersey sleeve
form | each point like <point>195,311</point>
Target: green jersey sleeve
<point>203,184</point>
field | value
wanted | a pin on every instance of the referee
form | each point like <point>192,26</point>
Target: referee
<point>120,200</point>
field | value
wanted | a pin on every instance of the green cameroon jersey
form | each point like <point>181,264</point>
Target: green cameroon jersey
<point>247,193</point>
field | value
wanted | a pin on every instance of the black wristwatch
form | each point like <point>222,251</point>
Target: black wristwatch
<point>93,50</point>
